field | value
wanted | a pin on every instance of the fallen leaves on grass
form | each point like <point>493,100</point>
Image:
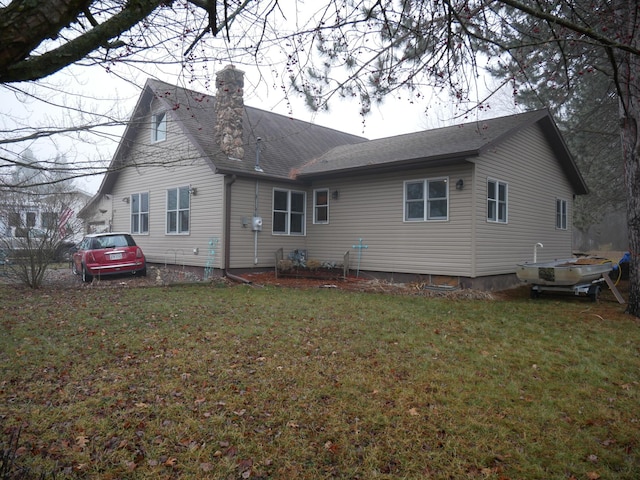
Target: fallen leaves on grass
<point>266,383</point>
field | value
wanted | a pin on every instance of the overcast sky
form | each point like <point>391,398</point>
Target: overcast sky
<point>79,95</point>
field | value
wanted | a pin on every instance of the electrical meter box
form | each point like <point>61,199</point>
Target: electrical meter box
<point>256,224</point>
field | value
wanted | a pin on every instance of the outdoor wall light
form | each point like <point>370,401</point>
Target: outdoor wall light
<point>460,184</point>
<point>335,194</point>
<point>193,191</point>
<point>125,199</point>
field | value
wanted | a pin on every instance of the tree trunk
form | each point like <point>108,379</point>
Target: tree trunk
<point>628,79</point>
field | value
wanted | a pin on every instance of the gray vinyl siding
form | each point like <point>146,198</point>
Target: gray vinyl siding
<point>157,167</point>
<point>243,239</point>
<point>371,208</point>
<point>527,164</point>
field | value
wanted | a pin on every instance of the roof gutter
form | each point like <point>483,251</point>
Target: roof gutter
<point>255,175</point>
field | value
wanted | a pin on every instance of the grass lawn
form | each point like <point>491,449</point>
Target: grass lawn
<point>198,381</point>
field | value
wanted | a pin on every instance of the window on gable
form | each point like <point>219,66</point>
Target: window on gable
<point>140,213</point>
<point>159,127</point>
<point>321,206</point>
<point>561,214</point>
<point>178,209</point>
<point>496,201</point>
<point>288,212</point>
<point>426,200</point>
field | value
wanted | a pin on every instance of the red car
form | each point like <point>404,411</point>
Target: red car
<point>110,253</point>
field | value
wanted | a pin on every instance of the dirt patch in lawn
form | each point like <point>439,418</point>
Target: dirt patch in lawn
<point>364,284</point>
<point>164,276</point>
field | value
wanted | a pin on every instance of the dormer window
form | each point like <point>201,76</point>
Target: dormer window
<point>159,128</point>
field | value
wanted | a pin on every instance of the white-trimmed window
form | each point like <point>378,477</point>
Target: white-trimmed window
<point>159,127</point>
<point>288,212</point>
<point>561,214</point>
<point>321,206</point>
<point>496,201</point>
<point>178,209</point>
<point>426,200</point>
<point>140,213</point>
<point>49,220</point>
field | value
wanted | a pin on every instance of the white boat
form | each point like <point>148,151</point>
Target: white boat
<point>565,272</point>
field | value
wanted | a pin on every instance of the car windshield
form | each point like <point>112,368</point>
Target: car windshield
<point>112,241</point>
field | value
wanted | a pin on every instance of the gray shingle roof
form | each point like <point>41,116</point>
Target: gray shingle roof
<point>286,142</point>
<point>296,150</point>
<point>446,145</point>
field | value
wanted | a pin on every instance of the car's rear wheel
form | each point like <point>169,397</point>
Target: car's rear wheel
<point>86,276</point>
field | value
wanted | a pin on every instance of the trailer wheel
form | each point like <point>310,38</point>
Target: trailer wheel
<point>593,293</point>
<point>535,293</point>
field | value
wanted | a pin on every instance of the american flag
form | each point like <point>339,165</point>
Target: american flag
<point>62,225</point>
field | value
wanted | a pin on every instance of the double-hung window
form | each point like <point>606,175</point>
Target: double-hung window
<point>321,206</point>
<point>561,214</point>
<point>140,213</point>
<point>426,200</point>
<point>496,201</point>
<point>159,127</point>
<point>178,209</point>
<point>49,220</point>
<point>288,212</point>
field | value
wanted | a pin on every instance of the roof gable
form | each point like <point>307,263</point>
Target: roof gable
<point>285,142</point>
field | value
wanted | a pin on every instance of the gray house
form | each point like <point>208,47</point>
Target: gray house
<point>209,182</point>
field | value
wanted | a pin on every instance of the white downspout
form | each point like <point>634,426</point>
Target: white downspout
<point>257,168</point>
<point>255,232</point>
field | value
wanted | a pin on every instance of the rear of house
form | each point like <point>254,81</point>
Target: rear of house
<point>466,202</point>
<point>495,190</point>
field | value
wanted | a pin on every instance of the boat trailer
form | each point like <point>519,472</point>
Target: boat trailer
<point>591,290</point>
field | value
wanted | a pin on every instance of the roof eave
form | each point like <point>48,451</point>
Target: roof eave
<point>409,164</point>
<point>142,106</point>
<point>255,175</point>
<point>566,158</point>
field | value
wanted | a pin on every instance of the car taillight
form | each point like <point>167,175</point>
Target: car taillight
<point>138,253</point>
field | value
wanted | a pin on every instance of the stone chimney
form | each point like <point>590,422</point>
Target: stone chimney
<point>230,111</point>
